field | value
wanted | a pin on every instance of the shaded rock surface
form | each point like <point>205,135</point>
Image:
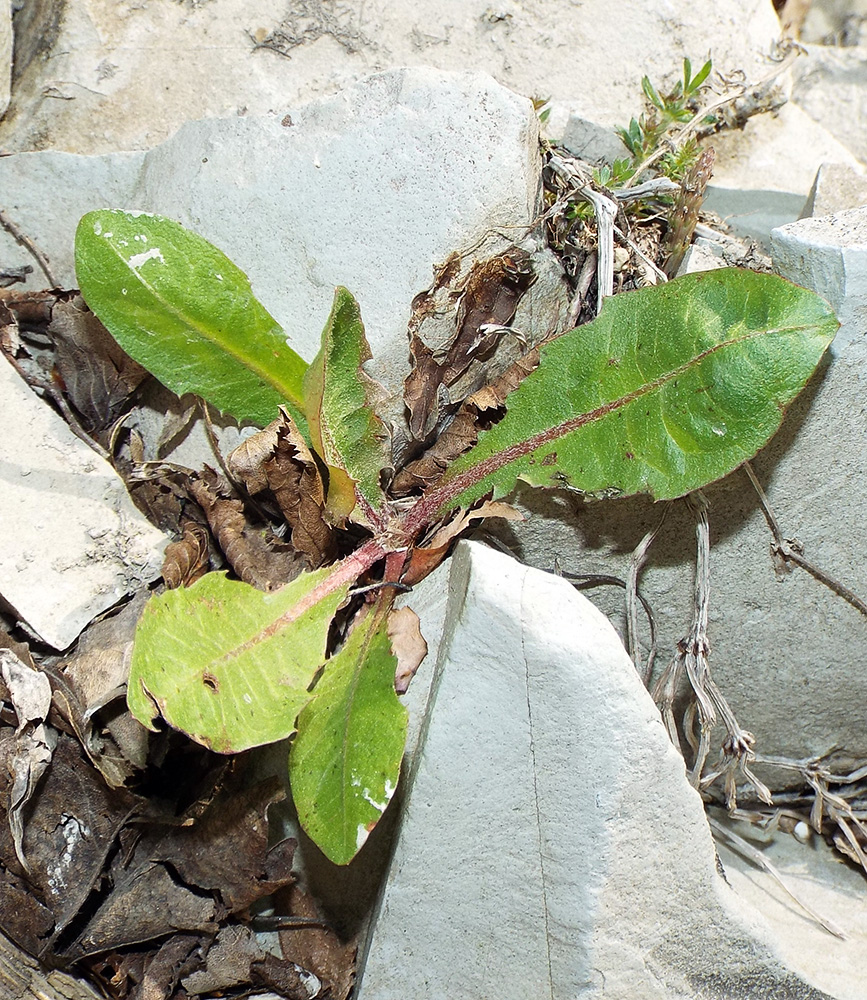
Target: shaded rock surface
<point>549,843</point>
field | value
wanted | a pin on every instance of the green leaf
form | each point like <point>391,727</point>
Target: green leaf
<point>687,73</point>
<point>651,93</point>
<point>668,389</point>
<point>228,664</point>
<point>345,761</point>
<point>701,76</point>
<point>343,425</point>
<point>182,309</point>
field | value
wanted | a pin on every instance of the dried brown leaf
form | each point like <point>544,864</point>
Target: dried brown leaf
<point>319,950</point>
<point>407,644</point>
<point>93,678</point>
<point>98,376</point>
<point>246,550</point>
<point>488,298</point>
<point>294,478</point>
<point>463,432</point>
<point>186,559</point>
<point>278,460</point>
<point>424,559</point>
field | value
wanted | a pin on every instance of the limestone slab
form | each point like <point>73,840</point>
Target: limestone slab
<point>831,86</point>
<point>550,844</point>
<point>72,542</point>
<point>763,173</point>
<point>5,56</point>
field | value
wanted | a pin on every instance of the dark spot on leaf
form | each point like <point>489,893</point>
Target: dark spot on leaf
<point>211,682</point>
<point>550,459</point>
<point>629,454</point>
<point>613,362</point>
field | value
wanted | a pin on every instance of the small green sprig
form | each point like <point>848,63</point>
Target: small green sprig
<point>644,135</point>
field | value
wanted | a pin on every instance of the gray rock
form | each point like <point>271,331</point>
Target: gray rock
<point>549,843</point>
<point>589,140</point>
<point>5,56</point>
<point>120,76</point>
<point>763,173</point>
<point>73,543</point>
<point>831,86</point>
<point>837,187</point>
<point>369,189</point>
<point>829,255</point>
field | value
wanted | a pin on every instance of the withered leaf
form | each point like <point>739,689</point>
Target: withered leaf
<point>319,950</point>
<point>489,296</point>
<point>94,677</point>
<point>174,959</point>
<point>407,644</point>
<point>186,559</point>
<point>10,340</point>
<point>294,478</point>
<point>278,460</point>
<point>463,432</point>
<point>226,851</point>
<point>146,903</point>
<point>246,550</point>
<point>72,821</point>
<point>98,376</point>
<point>425,558</point>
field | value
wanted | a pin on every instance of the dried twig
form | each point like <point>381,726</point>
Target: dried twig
<point>791,550</point>
<point>745,849</point>
<point>568,169</point>
<point>691,660</point>
<point>636,564</point>
<point>30,246</point>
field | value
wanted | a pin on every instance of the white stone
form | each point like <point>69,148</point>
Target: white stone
<point>5,56</point>
<point>550,844</point>
<point>702,255</point>
<point>124,76</point>
<point>829,255</point>
<point>585,138</point>
<point>837,187</point>
<point>73,543</point>
<point>763,174</point>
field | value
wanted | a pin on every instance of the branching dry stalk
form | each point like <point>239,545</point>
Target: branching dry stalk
<point>707,702</point>
<point>632,599</point>
<point>831,804</point>
<point>790,550</point>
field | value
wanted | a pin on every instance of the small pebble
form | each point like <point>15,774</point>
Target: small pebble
<point>802,832</point>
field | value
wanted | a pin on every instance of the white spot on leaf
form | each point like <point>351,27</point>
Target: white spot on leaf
<point>139,259</point>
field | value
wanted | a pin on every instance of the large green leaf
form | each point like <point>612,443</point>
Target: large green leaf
<point>182,309</point>
<point>345,760</point>
<point>228,664</point>
<point>668,389</point>
<point>344,428</point>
